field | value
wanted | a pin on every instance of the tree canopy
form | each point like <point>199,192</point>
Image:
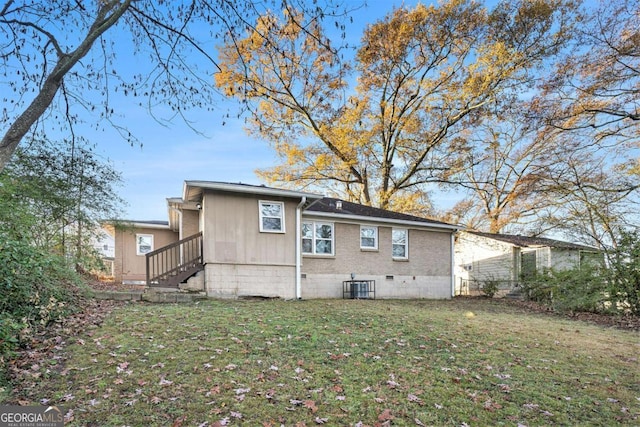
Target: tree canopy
<point>525,109</point>
<point>378,127</point>
<point>60,59</point>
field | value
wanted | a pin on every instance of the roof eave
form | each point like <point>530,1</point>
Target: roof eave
<point>362,218</point>
<point>193,190</point>
<point>147,225</point>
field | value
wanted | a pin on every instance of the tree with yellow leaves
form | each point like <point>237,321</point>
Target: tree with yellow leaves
<point>380,127</point>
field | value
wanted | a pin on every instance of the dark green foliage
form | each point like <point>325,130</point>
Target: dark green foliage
<point>625,272</point>
<point>490,287</point>
<point>36,287</point>
<point>50,200</point>
<point>614,288</point>
<point>583,289</point>
<point>61,193</point>
<point>9,335</point>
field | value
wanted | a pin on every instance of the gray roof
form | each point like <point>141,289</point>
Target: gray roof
<point>342,208</point>
<point>525,241</point>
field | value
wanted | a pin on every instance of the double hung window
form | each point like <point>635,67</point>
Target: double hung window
<point>400,243</point>
<point>271,217</point>
<point>144,244</point>
<point>317,238</point>
<point>368,237</point>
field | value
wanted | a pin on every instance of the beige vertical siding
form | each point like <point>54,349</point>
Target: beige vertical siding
<point>190,223</point>
<point>130,267</point>
<point>231,224</point>
<point>240,260</point>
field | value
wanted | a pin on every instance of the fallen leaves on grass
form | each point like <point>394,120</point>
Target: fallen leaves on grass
<point>311,405</point>
<point>302,368</point>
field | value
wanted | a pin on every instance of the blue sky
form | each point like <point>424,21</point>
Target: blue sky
<point>171,154</point>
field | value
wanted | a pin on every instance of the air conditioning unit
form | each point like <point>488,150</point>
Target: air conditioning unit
<point>359,290</point>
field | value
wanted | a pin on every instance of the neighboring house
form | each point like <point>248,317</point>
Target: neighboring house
<point>104,244</point>
<point>509,259</point>
<point>269,242</point>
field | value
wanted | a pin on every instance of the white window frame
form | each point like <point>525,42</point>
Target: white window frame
<point>406,243</point>
<point>261,203</point>
<point>138,237</point>
<point>375,237</point>
<point>314,238</point>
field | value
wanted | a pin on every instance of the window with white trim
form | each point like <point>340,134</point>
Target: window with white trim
<point>317,238</point>
<point>400,243</point>
<point>144,244</point>
<point>368,237</point>
<point>271,217</point>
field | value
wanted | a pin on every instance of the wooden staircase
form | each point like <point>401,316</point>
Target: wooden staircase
<point>173,264</point>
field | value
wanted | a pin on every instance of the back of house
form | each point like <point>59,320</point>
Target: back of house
<point>259,241</point>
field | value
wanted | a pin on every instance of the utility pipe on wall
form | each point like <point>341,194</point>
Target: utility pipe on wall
<point>299,247</point>
<point>453,265</point>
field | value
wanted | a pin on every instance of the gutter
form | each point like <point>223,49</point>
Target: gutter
<point>368,219</point>
<point>303,200</point>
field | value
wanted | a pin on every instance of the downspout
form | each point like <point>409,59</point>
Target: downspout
<point>453,264</point>
<point>179,212</point>
<point>299,247</point>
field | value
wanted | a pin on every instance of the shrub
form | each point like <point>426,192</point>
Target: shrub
<point>490,287</point>
<point>583,289</point>
<point>9,334</point>
<point>624,277</point>
<point>37,288</point>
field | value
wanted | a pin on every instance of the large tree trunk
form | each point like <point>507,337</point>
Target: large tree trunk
<point>108,14</point>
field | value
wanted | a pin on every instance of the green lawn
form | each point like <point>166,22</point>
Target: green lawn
<point>345,363</point>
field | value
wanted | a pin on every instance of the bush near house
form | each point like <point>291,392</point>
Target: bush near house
<point>490,287</point>
<point>51,194</point>
<point>625,273</point>
<point>596,289</point>
<point>571,290</point>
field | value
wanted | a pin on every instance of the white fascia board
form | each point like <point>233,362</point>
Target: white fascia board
<point>147,225</point>
<point>246,189</point>
<point>369,219</point>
